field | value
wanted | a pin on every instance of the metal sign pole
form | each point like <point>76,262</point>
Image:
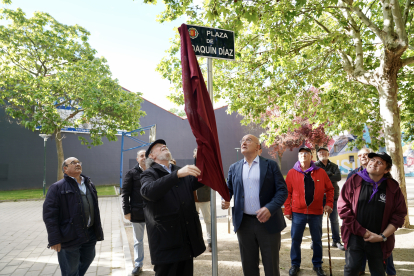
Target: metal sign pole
<point>214,257</point>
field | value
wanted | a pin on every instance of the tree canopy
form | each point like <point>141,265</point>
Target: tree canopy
<point>358,54</point>
<point>50,77</point>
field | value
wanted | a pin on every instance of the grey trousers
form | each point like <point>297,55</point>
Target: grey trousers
<point>253,235</point>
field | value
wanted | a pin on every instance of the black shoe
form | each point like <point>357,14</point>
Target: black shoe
<point>293,271</point>
<point>137,270</point>
<point>319,271</point>
<point>338,245</point>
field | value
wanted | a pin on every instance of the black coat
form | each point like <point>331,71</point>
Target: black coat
<point>131,195</point>
<point>334,174</point>
<point>173,225</point>
<point>64,216</point>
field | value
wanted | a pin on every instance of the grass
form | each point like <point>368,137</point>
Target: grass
<point>38,193</point>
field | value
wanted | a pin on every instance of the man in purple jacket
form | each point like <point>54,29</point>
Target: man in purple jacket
<point>372,208</point>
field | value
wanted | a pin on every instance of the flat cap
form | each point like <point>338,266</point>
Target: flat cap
<point>159,141</point>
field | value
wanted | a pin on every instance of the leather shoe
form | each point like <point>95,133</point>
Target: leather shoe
<point>319,271</point>
<point>137,270</point>
<point>293,271</point>
<point>209,247</point>
<point>338,245</point>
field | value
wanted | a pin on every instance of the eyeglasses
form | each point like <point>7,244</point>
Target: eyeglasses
<point>75,163</point>
<point>377,162</point>
<point>248,141</point>
<point>304,153</point>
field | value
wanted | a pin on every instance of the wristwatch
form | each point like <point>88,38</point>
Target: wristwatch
<point>383,237</point>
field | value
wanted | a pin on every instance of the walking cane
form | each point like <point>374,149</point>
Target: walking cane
<point>228,220</point>
<point>329,246</point>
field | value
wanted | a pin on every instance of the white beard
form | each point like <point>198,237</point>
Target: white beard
<point>165,156</point>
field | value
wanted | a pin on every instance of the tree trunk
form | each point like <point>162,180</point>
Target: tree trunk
<point>60,156</point>
<point>279,159</point>
<point>390,114</point>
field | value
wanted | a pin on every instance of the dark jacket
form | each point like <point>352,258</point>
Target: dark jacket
<point>351,173</point>
<point>173,225</point>
<point>394,212</point>
<point>64,216</point>
<point>334,174</point>
<point>131,195</point>
<point>272,195</point>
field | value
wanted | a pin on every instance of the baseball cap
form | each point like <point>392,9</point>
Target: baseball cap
<point>305,148</point>
<point>384,156</point>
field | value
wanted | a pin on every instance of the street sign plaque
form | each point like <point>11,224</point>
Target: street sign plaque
<point>211,42</point>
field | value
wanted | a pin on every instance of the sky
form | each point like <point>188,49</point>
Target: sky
<point>125,32</point>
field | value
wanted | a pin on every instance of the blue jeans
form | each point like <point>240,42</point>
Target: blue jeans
<point>138,228</point>
<point>298,227</point>
<point>333,217</point>
<point>76,261</point>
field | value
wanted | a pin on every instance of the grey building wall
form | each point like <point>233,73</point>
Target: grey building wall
<point>22,151</point>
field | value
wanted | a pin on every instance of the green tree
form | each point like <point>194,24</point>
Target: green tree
<point>50,77</point>
<point>359,54</point>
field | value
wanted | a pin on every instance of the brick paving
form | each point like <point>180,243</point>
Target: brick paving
<point>23,241</point>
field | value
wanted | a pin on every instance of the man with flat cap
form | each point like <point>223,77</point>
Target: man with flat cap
<point>174,229</point>
<point>334,174</point>
<point>372,208</point>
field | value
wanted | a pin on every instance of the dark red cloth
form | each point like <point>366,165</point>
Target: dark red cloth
<point>200,114</point>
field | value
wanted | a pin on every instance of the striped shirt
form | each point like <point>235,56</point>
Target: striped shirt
<point>251,184</point>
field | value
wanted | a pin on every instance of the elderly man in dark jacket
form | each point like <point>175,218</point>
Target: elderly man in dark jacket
<point>72,219</point>
<point>132,205</point>
<point>173,225</point>
<point>334,174</point>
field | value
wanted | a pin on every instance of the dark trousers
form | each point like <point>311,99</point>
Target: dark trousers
<point>182,268</point>
<point>76,261</point>
<point>354,255</point>
<point>253,235</point>
<point>390,266</point>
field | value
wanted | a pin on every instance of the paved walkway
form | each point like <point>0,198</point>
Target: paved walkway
<point>23,241</point>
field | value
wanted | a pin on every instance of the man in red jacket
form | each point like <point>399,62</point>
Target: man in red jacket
<point>372,207</point>
<point>307,185</point>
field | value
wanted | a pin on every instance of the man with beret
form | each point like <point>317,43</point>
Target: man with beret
<point>173,225</point>
<point>334,174</point>
<point>372,208</point>
<point>307,184</point>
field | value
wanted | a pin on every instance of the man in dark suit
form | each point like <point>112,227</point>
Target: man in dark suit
<point>259,192</point>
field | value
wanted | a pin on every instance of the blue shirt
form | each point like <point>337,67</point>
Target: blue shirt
<point>81,186</point>
<point>168,169</point>
<point>251,185</point>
